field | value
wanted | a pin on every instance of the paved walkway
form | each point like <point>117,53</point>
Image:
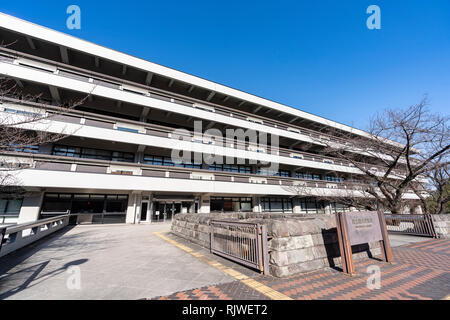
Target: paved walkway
<point>421,271</point>
<point>144,261</point>
<point>115,262</point>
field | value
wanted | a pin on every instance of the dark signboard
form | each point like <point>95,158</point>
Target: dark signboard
<point>363,227</point>
<point>360,227</point>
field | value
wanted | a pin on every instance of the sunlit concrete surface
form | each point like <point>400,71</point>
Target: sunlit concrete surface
<point>115,262</point>
<point>400,239</point>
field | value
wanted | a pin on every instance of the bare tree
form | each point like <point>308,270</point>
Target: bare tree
<point>351,195</point>
<point>434,194</point>
<point>402,147</point>
<point>25,128</point>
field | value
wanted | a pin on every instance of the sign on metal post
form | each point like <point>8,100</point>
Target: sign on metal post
<point>355,228</point>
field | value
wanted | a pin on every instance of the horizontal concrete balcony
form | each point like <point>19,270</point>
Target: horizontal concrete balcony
<point>63,76</point>
<point>62,172</point>
<point>89,125</point>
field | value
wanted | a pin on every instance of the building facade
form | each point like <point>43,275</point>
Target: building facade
<point>115,162</point>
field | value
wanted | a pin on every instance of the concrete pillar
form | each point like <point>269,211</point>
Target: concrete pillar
<point>31,207</point>
<point>204,204</point>
<point>328,208</point>
<point>256,204</point>
<point>418,209</point>
<point>134,208</point>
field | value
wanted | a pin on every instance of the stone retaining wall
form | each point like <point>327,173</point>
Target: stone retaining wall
<point>442,225</point>
<point>297,243</point>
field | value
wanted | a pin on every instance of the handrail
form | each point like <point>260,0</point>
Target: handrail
<point>71,160</point>
<point>165,129</point>
<point>21,235</point>
<point>266,120</point>
<point>29,225</point>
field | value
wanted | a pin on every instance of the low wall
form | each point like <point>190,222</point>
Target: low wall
<point>297,243</point>
<point>442,225</point>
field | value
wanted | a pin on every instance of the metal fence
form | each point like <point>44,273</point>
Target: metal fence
<point>413,224</point>
<point>243,242</point>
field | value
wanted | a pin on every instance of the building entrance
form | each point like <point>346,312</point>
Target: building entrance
<point>167,209</point>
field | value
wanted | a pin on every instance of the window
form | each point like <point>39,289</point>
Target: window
<point>279,173</point>
<point>311,206</point>
<point>167,161</point>
<point>339,207</point>
<point>10,206</point>
<point>28,149</point>
<point>307,176</point>
<point>90,153</point>
<point>230,168</point>
<point>332,178</point>
<point>127,129</point>
<point>272,204</point>
<point>225,204</point>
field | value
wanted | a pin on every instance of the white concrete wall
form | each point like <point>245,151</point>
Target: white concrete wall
<point>31,207</point>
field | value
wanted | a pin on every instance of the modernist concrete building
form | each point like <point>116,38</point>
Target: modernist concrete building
<point>115,164</point>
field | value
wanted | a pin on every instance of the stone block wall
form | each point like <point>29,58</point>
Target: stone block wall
<point>442,225</point>
<point>297,243</point>
<point>300,245</point>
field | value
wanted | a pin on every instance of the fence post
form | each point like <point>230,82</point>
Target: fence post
<point>431,225</point>
<point>211,241</point>
<point>265,250</point>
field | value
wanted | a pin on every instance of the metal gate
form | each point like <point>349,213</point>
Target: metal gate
<point>243,242</point>
<point>413,224</point>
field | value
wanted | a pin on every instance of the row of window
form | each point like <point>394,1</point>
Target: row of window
<point>276,204</point>
<point>231,204</point>
<point>100,154</point>
<point>84,203</point>
<point>167,161</point>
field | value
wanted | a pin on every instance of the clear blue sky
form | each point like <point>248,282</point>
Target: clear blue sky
<point>317,56</point>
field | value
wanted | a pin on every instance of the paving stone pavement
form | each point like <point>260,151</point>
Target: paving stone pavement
<point>115,262</point>
<point>421,271</point>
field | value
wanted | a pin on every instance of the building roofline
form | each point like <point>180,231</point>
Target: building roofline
<point>59,38</point>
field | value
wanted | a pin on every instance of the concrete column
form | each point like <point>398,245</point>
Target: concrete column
<point>134,208</point>
<point>418,209</point>
<point>328,208</point>
<point>256,204</point>
<point>31,207</point>
<point>205,204</point>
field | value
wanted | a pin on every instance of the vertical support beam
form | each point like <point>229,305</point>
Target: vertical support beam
<point>344,244</point>
<point>149,78</point>
<point>205,204</point>
<point>64,54</point>
<point>256,203</point>
<point>31,207</point>
<point>265,250</point>
<point>385,245</point>
<point>134,207</point>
